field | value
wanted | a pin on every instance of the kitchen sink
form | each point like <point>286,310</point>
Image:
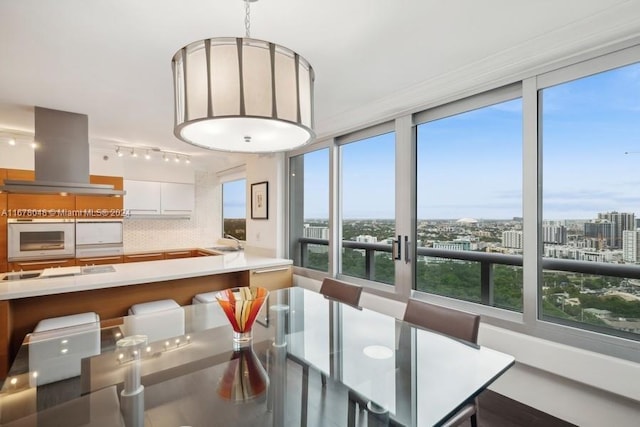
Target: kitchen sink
<point>223,249</point>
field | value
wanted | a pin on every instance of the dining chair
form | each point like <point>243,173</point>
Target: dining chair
<point>341,291</point>
<point>454,323</point>
<point>448,321</point>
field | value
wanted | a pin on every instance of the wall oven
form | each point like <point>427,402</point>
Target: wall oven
<point>29,239</point>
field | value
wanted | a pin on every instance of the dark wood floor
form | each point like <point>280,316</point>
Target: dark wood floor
<point>497,410</point>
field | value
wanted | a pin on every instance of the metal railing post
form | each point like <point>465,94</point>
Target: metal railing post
<point>370,264</point>
<point>486,283</point>
<point>304,254</point>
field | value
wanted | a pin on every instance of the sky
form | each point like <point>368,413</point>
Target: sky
<point>234,200</point>
<point>470,165</point>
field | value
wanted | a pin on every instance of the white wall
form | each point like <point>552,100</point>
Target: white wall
<point>578,386</point>
<point>106,162</point>
<point>266,236</point>
<point>19,156</point>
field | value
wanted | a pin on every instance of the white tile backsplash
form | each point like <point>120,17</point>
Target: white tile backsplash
<point>201,230</point>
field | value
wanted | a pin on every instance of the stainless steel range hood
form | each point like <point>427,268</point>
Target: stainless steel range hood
<point>61,158</point>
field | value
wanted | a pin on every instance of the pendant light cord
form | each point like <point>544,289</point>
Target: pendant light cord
<point>247,18</point>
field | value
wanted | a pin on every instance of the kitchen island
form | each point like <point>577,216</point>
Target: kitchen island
<point>23,303</point>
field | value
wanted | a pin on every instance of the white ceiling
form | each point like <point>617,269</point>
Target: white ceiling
<point>373,58</point>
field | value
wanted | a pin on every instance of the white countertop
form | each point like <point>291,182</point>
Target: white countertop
<point>139,272</point>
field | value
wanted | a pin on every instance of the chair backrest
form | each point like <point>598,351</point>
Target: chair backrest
<point>448,321</point>
<point>341,291</point>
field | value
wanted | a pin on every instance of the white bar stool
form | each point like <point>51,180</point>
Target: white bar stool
<point>204,298</point>
<point>203,317</point>
<point>158,320</point>
<point>58,344</point>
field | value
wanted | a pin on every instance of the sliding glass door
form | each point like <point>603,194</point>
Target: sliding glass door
<point>469,233</point>
<point>367,207</point>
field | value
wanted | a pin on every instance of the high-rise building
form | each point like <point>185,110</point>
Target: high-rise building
<point>621,221</point>
<point>316,232</point>
<point>512,239</point>
<point>555,234</point>
<point>456,245</point>
<point>602,230</point>
<point>631,246</point>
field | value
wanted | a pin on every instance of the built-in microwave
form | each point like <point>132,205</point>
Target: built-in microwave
<point>29,239</point>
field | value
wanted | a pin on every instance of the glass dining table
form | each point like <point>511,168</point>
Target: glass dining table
<point>311,362</point>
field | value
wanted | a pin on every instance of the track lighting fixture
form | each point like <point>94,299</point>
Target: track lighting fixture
<point>149,153</point>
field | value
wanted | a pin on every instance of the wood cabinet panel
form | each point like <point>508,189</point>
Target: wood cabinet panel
<point>197,253</point>
<point>4,267</point>
<point>3,232</point>
<point>112,205</point>
<point>21,174</point>
<point>3,174</point>
<point>103,260</point>
<point>6,331</point>
<point>177,254</point>
<point>36,202</point>
<point>151,256</point>
<point>271,278</point>
<point>116,181</point>
<point>40,265</point>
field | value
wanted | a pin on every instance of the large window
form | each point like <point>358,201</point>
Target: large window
<point>309,209</point>
<point>234,209</point>
<point>469,199</point>
<point>591,152</point>
<point>368,208</point>
<point>519,203</point>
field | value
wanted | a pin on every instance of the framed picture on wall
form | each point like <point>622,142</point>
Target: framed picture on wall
<point>260,200</point>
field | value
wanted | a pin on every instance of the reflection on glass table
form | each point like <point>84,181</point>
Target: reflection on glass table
<point>416,376</point>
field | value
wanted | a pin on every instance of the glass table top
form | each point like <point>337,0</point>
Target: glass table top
<point>191,373</point>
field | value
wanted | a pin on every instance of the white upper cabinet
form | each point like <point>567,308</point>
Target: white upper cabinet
<point>158,199</point>
<point>142,197</point>
<point>177,199</point>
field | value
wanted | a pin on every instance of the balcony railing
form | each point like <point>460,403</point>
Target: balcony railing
<point>485,259</point>
<point>615,325</point>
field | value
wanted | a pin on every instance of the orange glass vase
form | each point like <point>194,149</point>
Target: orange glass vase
<point>241,306</point>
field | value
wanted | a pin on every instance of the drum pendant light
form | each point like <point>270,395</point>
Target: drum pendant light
<point>242,95</point>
